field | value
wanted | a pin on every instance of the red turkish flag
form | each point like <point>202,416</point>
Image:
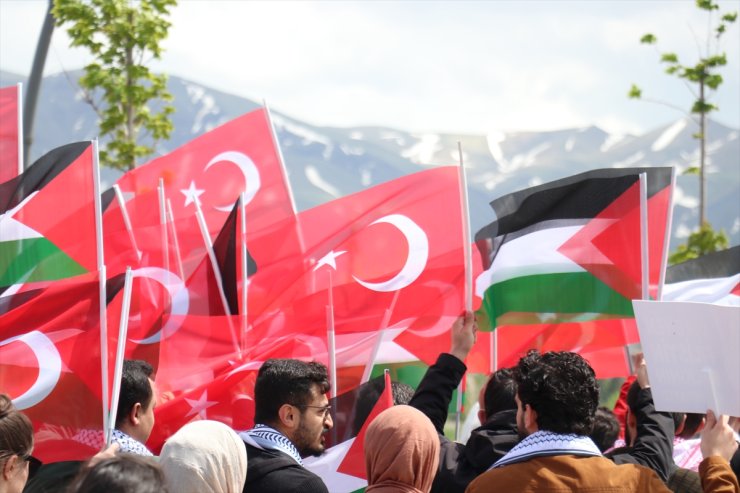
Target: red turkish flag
<point>213,169</point>
<point>50,365</point>
<point>10,134</point>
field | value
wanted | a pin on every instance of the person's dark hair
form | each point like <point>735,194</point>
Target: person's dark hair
<point>691,425</point>
<point>16,431</point>
<point>286,381</point>
<point>124,473</point>
<point>606,429</point>
<point>500,392</point>
<point>402,393</point>
<point>561,387</point>
<point>135,387</point>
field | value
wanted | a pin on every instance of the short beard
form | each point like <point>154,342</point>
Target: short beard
<point>304,446</point>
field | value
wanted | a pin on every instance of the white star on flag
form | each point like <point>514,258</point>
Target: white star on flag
<point>192,193</point>
<point>329,259</point>
<point>199,406</point>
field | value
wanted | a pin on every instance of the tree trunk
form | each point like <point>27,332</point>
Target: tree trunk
<point>702,159</point>
<point>130,129</point>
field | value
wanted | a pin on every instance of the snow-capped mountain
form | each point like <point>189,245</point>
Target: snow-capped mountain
<point>326,162</point>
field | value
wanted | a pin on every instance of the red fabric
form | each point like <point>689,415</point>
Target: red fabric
<point>10,134</point>
<point>50,348</point>
<point>621,407</point>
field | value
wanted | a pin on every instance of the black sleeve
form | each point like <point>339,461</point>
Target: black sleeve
<point>735,463</point>
<point>312,485</point>
<point>434,393</point>
<point>654,443</point>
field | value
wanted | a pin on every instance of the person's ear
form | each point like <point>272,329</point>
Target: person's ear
<point>530,418</point>
<point>482,416</point>
<point>9,467</point>
<point>134,416</point>
<point>288,416</point>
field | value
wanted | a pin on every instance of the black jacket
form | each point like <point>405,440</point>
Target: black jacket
<point>460,463</point>
<point>270,471</point>
<point>654,442</point>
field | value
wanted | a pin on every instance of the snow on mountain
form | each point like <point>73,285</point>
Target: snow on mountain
<point>326,162</point>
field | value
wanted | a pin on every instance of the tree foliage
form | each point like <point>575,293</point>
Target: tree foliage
<point>701,78</point>
<point>705,240</point>
<point>123,36</point>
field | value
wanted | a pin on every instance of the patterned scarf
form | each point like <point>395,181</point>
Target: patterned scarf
<point>265,438</point>
<point>129,445</point>
<point>545,443</point>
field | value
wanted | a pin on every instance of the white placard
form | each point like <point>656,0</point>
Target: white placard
<point>692,352</point>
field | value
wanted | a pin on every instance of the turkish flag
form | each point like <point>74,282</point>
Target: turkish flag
<point>10,133</point>
<point>212,170</point>
<point>50,365</point>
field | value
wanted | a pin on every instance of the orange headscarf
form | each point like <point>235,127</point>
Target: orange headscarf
<point>401,452</point>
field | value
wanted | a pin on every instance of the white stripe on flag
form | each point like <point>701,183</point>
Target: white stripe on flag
<point>531,254</point>
<point>715,291</point>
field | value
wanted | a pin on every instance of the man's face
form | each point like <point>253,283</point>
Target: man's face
<point>146,418</point>
<point>521,427</point>
<point>314,422</point>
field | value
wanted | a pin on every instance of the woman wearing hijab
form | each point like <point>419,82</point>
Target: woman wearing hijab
<point>204,457</point>
<point>401,452</point>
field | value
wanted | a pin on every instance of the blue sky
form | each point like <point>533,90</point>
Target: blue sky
<point>464,66</point>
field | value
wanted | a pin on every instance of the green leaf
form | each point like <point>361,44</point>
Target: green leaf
<point>669,58</point>
<point>693,170</point>
<point>713,81</point>
<point>730,17</point>
<point>634,92</point>
<point>706,5</point>
<point>648,39</point>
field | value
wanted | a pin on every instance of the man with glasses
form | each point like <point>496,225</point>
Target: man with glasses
<point>292,416</point>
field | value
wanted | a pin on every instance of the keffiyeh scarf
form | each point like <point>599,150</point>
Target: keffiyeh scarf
<point>545,443</point>
<point>266,438</point>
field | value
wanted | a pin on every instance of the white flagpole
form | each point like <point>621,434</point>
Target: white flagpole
<point>163,226</point>
<point>19,93</point>
<point>379,340</point>
<point>127,220</point>
<point>216,273</point>
<point>175,242</point>
<point>276,143</point>
<point>244,270</point>
<point>102,300</point>
<point>644,250</point>
<point>331,339</point>
<point>667,238</point>
<point>120,351</point>
<point>468,260</point>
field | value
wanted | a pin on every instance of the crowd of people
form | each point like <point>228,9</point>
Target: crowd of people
<point>541,430</point>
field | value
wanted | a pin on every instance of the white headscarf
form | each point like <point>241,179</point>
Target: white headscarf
<point>204,457</point>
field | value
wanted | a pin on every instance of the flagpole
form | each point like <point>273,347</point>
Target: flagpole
<point>217,273</point>
<point>644,250</point>
<point>331,340</point>
<point>102,300</point>
<point>19,108</point>
<point>379,340</point>
<point>467,259</point>
<point>388,385</point>
<point>120,350</point>
<point>244,270</point>
<point>127,220</point>
<point>175,242</point>
<point>667,238</point>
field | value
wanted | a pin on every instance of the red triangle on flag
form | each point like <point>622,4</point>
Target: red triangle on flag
<point>353,463</point>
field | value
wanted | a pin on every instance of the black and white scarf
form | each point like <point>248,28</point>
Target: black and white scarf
<point>265,438</point>
<point>545,443</point>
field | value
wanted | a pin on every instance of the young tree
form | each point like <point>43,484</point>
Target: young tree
<point>702,78</point>
<point>122,36</point>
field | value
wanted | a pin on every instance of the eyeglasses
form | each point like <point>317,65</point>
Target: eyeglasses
<point>326,409</point>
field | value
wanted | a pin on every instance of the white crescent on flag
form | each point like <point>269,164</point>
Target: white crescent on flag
<point>248,170</point>
<point>50,368</point>
<point>179,306</point>
<point>416,260</point>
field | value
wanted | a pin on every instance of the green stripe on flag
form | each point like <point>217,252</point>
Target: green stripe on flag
<point>566,293</point>
<point>34,259</point>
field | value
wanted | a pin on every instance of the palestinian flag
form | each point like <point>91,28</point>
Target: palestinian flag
<point>569,252</point>
<point>712,278</point>
<point>35,210</point>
